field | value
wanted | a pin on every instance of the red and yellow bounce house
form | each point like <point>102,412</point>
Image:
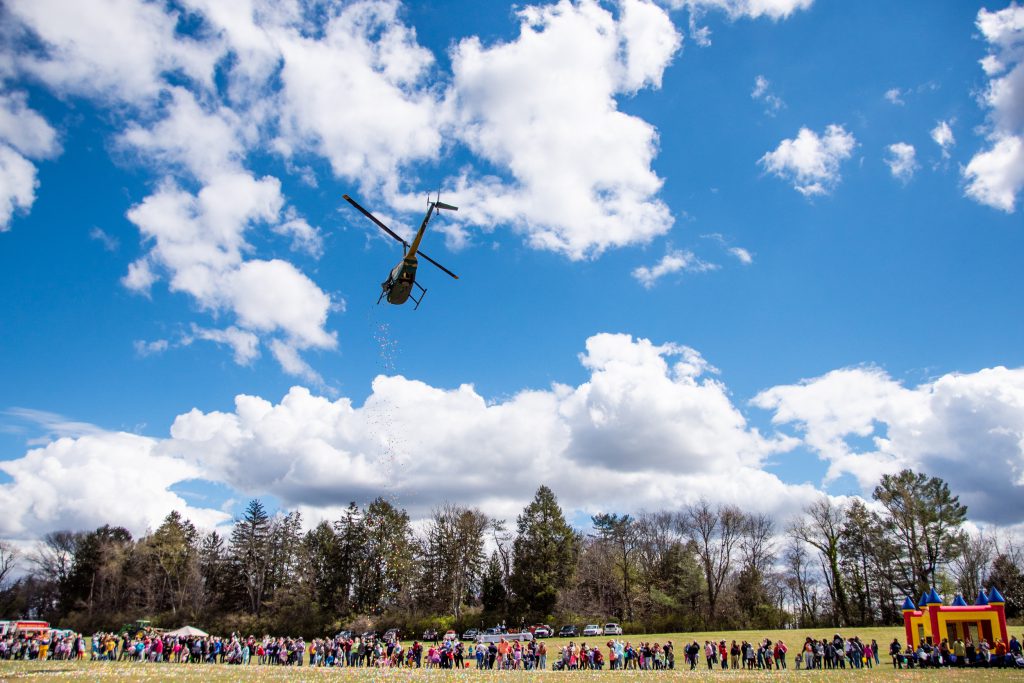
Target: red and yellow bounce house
<point>931,621</point>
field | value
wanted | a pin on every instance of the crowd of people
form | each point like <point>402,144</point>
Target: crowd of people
<point>507,653</point>
<point>959,653</point>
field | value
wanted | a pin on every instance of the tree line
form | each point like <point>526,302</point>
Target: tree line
<point>703,566</point>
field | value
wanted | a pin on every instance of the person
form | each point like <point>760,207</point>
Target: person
<point>895,650</point>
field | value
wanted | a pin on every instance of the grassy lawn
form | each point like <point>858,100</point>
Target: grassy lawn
<point>116,671</point>
<point>112,671</point>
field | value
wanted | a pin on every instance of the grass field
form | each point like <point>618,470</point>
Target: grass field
<point>208,673</point>
<point>118,671</point>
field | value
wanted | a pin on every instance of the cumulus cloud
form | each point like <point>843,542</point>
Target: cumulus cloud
<point>543,108</point>
<point>118,50</point>
<point>198,242</point>
<point>87,481</point>
<point>995,176</point>
<point>675,261</point>
<point>811,161</point>
<point>762,92</point>
<point>942,134</point>
<point>901,160</point>
<point>652,426</point>
<point>966,428</point>
<point>24,135</point>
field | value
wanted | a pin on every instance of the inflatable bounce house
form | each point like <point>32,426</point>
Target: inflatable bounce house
<point>931,621</point>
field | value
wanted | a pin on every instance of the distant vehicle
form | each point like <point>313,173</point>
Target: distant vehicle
<point>471,634</point>
<point>137,628</point>
<point>392,635</point>
<point>369,635</point>
<point>24,627</point>
<point>591,630</point>
<point>344,634</point>
<point>612,630</point>
<point>568,631</point>
<point>451,635</point>
<point>542,631</point>
<point>430,634</point>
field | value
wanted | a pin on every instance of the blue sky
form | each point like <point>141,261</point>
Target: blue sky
<point>706,248</point>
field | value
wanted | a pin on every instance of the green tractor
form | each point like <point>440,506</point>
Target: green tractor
<point>136,629</point>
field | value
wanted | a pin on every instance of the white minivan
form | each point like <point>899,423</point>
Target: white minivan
<point>612,630</point>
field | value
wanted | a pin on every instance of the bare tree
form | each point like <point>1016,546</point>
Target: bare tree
<point>972,564</point>
<point>757,543</point>
<point>800,582</point>
<point>821,527</point>
<point>9,557</point>
<point>715,532</point>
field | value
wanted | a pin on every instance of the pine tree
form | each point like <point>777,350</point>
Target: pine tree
<point>927,519</point>
<point>250,554</point>
<point>546,549</point>
<point>493,593</point>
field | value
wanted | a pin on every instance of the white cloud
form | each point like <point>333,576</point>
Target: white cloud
<point>894,96</point>
<point>676,260</point>
<point>902,160</point>
<point>87,481</point>
<point>145,348</point>
<point>356,93</point>
<point>543,108</point>
<point>246,345</point>
<point>205,144</point>
<point>199,240</point>
<point>754,9</point>
<point>995,176</point>
<point>651,427</point>
<point>109,242</point>
<point>761,92</point>
<point>744,256</point>
<point>811,162</point>
<point>24,135</point>
<point>116,49</point>
<point>966,428</point>
<point>17,185</point>
<point>942,134</point>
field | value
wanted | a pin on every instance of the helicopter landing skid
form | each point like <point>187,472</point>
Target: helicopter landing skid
<point>423,293</point>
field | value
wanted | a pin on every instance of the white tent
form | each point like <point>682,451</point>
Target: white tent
<point>187,631</point>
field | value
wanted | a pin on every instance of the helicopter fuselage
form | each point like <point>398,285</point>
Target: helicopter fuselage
<point>399,284</point>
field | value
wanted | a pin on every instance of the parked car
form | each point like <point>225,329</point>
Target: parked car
<point>568,631</point>
<point>344,634</point>
<point>430,635</point>
<point>591,630</point>
<point>392,635</point>
<point>369,635</point>
<point>470,634</point>
<point>451,635</point>
<point>542,631</point>
<point>612,630</point>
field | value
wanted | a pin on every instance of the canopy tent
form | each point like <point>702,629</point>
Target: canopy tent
<point>187,631</point>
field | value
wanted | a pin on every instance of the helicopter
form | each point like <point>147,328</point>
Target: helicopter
<point>398,287</point>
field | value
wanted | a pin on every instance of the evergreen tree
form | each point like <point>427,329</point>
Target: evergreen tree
<point>385,561</point>
<point>1006,575</point>
<point>927,520</point>
<point>349,531</point>
<point>173,551</point>
<point>545,553</point>
<point>493,592</point>
<point>250,554</point>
